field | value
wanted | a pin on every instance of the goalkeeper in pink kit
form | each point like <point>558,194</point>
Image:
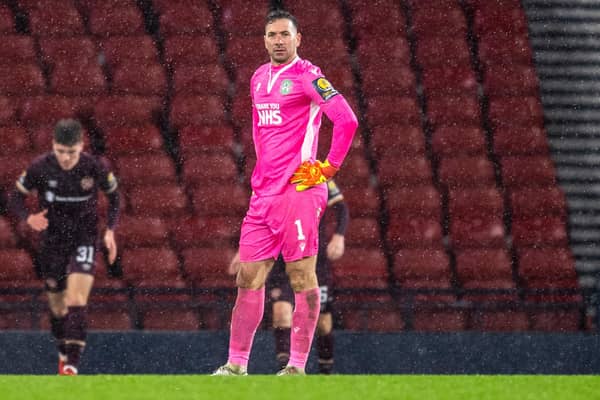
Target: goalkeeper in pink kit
<point>289,96</point>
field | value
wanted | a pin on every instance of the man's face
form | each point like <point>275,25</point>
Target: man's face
<point>67,156</point>
<point>281,41</point>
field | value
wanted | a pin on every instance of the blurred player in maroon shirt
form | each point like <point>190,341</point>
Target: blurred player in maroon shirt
<point>67,182</point>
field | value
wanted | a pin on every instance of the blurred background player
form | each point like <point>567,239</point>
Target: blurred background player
<point>289,96</point>
<point>282,296</point>
<point>67,182</point>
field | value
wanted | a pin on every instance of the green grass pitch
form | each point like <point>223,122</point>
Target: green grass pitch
<point>336,387</point>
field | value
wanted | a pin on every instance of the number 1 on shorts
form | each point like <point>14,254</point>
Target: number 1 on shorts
<point>299,226</point>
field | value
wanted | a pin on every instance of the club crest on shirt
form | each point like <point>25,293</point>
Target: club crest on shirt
<point>286,87</point>
<point>52,183</point>
<point>324,88</point>
<point>87,182</point>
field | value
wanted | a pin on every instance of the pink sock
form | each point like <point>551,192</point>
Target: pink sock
<point>245,318</point>
<point>304,322</point>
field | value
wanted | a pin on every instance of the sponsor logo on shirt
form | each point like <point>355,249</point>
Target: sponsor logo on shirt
<point>324,88</point>
<point>268,114</point>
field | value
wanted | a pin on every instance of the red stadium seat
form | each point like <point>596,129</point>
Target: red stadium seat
<point>206,231</point>
<point>21,79</point>
<point>8,237</point>
<point>499,321</point>
<point>126,110</point>
<point>64,49</point>
<point>190,50</point>
<point>313,24</point>
<point>528,171</point>
<point>145,169</point>
<point>46,110</point>
<point>197,110</point>
<point>109,319</point>
<point>405,171</point>
<point>17,49</point>
<point>355,171</point>
<point>442,50</point>
<point>60,18</point>
<point>416,269</point>
<point>129,50</point>
<point>11,167</point>
<point>520,141</point>
<point>7,21</point>
<point>113,19</point>
<point>439,320</point>
<point>464,202</point>
<point>363,201</point>
<point>499,18</point>
<point>144,80</point>
<point>15,141</point>
<point>449,80</point>
<point>522,110</point>
<point>446,110</point>
<point>548,268</point>
<point>466,171</point>
<point>243,18</point>
<point>567,320</point>
<point>200,79</point>
<point>127,140</point>
<point>439,22</point>
<point>510,48</point>
<point>205,139</point>
<point>17,269</point>
<point>342,79</point>
<point>372,51</point>
<point>481,269</point>
<point>184,17</point>
<point>414,200</point>
<point>364,268</point>
<point>208,168</point>
<point>453,140</point>
<point>166,199</point>
<point>539,231</point>
<point>363,232</point>
<point>246,52</point>
<point>8,111</point>
<point>527,202</point>
<point>170,319</point>
<point>220,199</point>
<point>207,267</point>
<point>366,20</point>
<point>71,79</point>
<point>510,80</point>
<point>396,79</point>
<point>400,140</point>
<point>414,232</point>
<point>142,231</point>
<point>477,231</point>
<point>389,109</point>
<point>151,267</point>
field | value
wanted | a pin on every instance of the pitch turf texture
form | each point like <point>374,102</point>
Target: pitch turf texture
<point>262,387</point>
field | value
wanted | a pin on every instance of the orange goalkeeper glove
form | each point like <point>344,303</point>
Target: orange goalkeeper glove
<point>310,174</point>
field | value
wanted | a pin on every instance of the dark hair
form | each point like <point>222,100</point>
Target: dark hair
<point>276,14</point>
<point>68,132</point>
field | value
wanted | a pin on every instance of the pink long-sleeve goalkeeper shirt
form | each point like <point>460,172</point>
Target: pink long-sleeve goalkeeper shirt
<point>287,104</point>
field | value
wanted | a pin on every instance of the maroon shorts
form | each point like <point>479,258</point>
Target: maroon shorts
<point>57,260</point>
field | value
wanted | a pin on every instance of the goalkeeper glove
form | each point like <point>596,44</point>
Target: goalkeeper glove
<point>310,174</point>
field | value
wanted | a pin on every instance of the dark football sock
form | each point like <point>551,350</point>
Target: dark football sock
<point>75,330</point>
<point>57,328</point>
<point>325,350</point>
<point>282,345</point>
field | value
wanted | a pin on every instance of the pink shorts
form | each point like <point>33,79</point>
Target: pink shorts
<point>287,223</point>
